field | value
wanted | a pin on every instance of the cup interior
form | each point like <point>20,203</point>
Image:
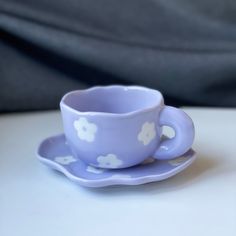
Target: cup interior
<point>113,99</point>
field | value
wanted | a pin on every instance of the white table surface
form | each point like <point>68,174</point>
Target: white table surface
<point>35,200</point>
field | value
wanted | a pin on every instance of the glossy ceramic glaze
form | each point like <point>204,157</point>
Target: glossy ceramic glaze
<point>55,153</point>
<point>120,126</point>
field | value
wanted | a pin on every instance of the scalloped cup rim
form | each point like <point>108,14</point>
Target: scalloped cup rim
<point>160,103</point>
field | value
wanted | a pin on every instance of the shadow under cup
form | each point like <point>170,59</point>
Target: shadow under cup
<point>112,126</point>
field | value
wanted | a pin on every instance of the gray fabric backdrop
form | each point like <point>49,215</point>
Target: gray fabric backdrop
<point>184,48</point>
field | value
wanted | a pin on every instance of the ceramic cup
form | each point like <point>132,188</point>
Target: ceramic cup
<point>120,126</point>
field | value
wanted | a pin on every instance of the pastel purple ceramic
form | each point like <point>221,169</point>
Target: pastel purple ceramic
<point>55,153</point>
<point>120,126</point>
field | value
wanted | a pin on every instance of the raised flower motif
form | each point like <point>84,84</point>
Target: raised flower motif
<point>147,133</point>
<point>120,176</point>
<point>94,170</point>
<point>109,161</point>
<point>85,130</point>
<point>66,160</point>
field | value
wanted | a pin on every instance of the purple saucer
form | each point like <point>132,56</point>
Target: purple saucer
<point>55,153</point>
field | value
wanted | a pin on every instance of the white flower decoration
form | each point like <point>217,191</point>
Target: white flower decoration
<point>120,176</point>
<point>177,161</point>
<point>147,133</point>
<point>94,170</point>
<point>148,161</point>
<point>109,161</point>
<point>85,130</point>
<point>66,160</point>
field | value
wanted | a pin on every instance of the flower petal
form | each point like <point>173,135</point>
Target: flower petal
<point>85,130</point>
<point>64,160</point>
<point>109,161</point>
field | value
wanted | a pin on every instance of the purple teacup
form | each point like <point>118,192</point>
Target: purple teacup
<point>120,126</point>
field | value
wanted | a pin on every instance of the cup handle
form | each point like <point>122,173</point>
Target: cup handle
<point>184,133</point>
